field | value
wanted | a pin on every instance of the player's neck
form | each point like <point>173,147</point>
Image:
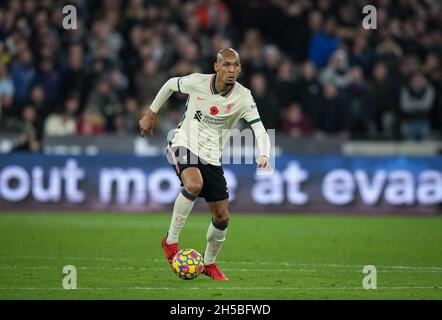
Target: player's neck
<point>221,86</point>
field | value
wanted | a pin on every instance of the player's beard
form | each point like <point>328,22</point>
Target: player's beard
<point>229,82</point>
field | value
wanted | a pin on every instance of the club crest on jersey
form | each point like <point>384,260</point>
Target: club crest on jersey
<point>229,107</point>
<point>213,110</point>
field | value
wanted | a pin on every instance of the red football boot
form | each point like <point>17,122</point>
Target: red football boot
<point>212,271</point>
<point>170,250</point>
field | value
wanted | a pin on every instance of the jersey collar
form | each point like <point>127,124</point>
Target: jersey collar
<point>213,90</point>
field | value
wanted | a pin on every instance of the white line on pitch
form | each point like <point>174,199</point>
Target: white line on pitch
<point>148,269</point>
<point>6,267</point>
<point>283,263</point>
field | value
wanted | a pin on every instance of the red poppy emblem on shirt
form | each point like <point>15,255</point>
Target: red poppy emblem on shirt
<point>213,110</point>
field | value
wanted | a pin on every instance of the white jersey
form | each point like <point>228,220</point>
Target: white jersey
<point>210,116</point>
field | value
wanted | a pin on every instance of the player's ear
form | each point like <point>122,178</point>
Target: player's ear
<point>215,67</point>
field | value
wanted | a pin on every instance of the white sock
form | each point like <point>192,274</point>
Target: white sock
<point>183,205</point>
<point>215,240</point>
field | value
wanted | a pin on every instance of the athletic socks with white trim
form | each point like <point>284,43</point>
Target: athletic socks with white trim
<point>183,205</point>
<point>216,234</point>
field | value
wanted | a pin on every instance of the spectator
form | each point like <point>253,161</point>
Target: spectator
<point>416,102</point>
<point>333,118</point>
<point>30,132</point>
<point>294,122</point>
<point>90,123</point>
<point>361,54</point>
<point>148,81</point>
<point>64,123</point>
<point>208,13</point>
<point>359,105</point>
<point>266,101</point>
<point>6,91</point>
<point>250,51</point>
<point>38,102</point>
<point>135,12</point>
<point>130,115</point>
<point>97,69</point>
<point>307,91</point>
<point>284,83</point>
<point>49,79</point>
<point>299,37</point>
<point>120,128</point>
<point>432,68</point>
<point>348,17</point>
<point>5,56</point>
<point>385,102</point>
<point>324,43</point>
<point>224,26</point>
<point>272,60</point>
<point>73,77</point>
<point>119,82</point>
<point>389,53</point>
<point>433,72</point>
<point>103,101</point>
<point>130,50</point>
<point>22,72</point>
<point>104,41</point>
<point>337,71</point>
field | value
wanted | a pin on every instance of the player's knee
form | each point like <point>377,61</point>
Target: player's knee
<point>194,187</point>
<point>221,217</point>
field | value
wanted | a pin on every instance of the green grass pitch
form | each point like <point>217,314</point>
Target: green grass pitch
<point>119,256</point>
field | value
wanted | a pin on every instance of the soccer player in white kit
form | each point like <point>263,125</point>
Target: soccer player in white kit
<point>215,104</point>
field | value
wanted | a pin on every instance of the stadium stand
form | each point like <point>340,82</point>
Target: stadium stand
<point>313,70</point>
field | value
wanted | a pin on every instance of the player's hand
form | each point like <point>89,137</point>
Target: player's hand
<point>263,162</point>
<point>147,123</point>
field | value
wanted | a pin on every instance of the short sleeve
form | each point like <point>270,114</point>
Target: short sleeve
<point>250,111</point>
<point>185,84</point>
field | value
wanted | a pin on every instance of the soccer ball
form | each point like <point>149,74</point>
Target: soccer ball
<point>187,264</point>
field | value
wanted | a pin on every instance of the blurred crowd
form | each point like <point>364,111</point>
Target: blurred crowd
<point>312,68</point>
